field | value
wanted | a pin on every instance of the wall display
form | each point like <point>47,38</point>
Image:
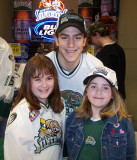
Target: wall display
<point>45,19</point>
<point>106,11</point>
<point>90,10</point>
<point>21,29</point>
<point>20,51</point>
<point>22,26</point>
<point>22,4</point>
<point>109,11</point>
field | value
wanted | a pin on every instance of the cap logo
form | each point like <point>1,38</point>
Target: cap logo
<point>65,19</point>
<point>99,70</point>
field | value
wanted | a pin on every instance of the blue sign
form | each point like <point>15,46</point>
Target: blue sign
<point>46,29</point>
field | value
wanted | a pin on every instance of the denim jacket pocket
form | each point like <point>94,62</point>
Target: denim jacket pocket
<point>118,146</point>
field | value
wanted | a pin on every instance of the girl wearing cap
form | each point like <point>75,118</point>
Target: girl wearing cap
<point>101,128</point>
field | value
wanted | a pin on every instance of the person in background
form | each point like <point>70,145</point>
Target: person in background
<point>36,124</point>
<point>111,54</point>
<point>71,59</point>
<point>101,129</point>
<point>7,67</point>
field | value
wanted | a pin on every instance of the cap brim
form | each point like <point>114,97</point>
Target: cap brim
<point>63,26</point>
<point>89,78</point>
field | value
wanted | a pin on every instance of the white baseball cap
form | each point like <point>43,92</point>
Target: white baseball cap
<point>104,72</point>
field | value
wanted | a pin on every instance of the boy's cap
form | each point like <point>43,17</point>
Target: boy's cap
<point>104,72</point>
<point>70,19</point>
<point>97,27</point>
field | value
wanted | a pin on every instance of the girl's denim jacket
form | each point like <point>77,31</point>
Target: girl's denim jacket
<point>117,140</point>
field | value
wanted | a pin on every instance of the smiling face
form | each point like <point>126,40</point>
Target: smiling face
<point>70,42</point>
<point>42,86</point>
<point>99,93</point>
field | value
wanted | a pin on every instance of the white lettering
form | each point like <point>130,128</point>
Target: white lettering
<point>25,4</point>
<point>42,14</point>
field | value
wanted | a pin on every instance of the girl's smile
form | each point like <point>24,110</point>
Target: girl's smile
<point>99,93</point>
<point>42,87</point>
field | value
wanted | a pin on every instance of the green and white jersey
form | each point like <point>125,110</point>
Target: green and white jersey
<point>71,84</point>
<point>34,134</point>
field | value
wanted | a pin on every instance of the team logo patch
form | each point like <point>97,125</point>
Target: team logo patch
<point>72,100</point>
<point>33,114</point>
<point>9,81</point>
<point>13,116</point>
<point>90,140</point>
<point>11,57</point>
<point>50,133</point>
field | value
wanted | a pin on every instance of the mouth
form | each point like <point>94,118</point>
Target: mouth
<point>43,91</point>
<point>99,98</point>
<point>70,51</point>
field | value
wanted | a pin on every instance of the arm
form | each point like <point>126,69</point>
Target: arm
<point>131,144</point>
<point>19,139</point>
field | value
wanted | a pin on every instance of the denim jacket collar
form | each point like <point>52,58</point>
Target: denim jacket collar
<point>113,120</point>
<point>79,122</point>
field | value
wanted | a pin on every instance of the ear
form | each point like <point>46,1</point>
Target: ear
<point>97,34</point>
<point>84,41</point>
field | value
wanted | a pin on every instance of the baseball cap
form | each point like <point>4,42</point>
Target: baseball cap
<point>104,72</point>
<point>97,27</point>
<point>70,19</point>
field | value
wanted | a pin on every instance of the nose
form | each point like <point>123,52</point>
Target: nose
<point>44,84</point>
<point>99,91</point>
<point>71,42</point>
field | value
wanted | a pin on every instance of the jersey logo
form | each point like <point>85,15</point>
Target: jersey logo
<point>50,134</point>
<point>13,116</point>
<point>90,140</point>
<point>33,114</point>
<point>72,100</point>
<point>9,81</point>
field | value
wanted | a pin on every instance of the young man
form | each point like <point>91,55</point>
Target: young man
<point>111,54</point>
<point>71,59</point>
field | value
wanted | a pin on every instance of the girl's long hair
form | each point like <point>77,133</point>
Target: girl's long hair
<point>116,105</point>
<point>36,66</point>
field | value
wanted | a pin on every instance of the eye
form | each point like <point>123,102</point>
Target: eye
<point>106,88</point>
<point>49,78</point>
<point>63,37</point>
<point>93,86</point>
<point>37,79</point>
<point>78,37</point>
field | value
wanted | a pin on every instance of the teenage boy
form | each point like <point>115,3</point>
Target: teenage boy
<point>71,59</point>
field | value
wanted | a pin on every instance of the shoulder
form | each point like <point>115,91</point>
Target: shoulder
<point>128,123</point>
<point>18,115</point>
<point>92,60</point>
<point>51,54</point>
<point>125,123</point>
<point>73,121</point>
<point>70,118</point>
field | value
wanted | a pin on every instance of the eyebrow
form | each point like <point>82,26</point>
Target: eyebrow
<point>103,84</point>
<point>64,34</point>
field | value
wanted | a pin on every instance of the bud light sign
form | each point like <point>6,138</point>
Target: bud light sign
<point>46,29</point>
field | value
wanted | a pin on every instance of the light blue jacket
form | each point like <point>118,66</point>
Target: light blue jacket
<point>117,140</point>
